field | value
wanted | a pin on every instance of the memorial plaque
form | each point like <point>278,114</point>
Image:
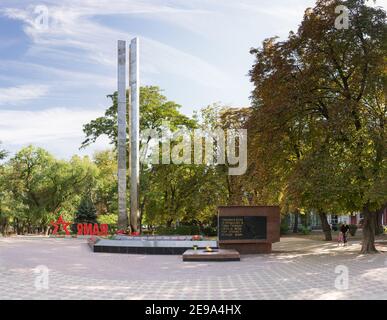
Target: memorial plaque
<point>248,229</point>
<point>242,228</point>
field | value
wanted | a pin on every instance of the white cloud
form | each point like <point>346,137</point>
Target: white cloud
<point>171,60</point>
<point>19,126</point>
<point>58,130</point>
<point>57,75</point>
<point>72,26</point>
<point>15,95</point>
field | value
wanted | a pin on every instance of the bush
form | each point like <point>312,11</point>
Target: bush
<point>147,232</point>
<point>284,229</point>
<point>110,220</point>
<point>352,229</point>
<point>165,231</point>
<point>210,231</point>
<point>112,229</point>
<point>182,230</point>
<point>334,227</point>
<point>86,213</point>
<point>381,230</point>
<point>187,230</point>
<point>305,230</point>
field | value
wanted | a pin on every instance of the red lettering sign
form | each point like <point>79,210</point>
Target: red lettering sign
<point>83,229</point>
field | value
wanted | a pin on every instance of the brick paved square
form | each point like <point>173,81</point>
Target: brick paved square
<point>295,270</point>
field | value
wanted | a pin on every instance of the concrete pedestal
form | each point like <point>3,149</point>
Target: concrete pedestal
<point>248,229</point>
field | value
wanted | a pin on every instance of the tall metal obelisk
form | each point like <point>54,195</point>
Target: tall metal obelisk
<point>134,81</point>
<point>121,140</point>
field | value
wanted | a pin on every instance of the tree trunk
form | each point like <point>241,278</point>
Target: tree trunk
<point>6,229</point>
<point>16,226</point>
<point>142,206</point>
<point>295,225</point>
<point>304,220</point>
<point>325,226</point>
<point>378,222</point>
<point>4,226</point>
<point>368,245</point>
<point>169,223</point>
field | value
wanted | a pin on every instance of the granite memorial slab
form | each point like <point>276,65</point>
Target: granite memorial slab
<point>248,229</point>
<point>146,246</point>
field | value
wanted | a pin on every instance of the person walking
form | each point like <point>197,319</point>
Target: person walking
<point>344,231</point>
<point>340,238</point>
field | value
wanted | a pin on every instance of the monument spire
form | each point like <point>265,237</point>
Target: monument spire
<point>121,141</point>
<point>134,81</point>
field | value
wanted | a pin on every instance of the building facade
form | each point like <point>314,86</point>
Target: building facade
<point>313,220</point>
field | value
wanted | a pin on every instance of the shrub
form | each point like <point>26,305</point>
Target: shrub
<point>305,230</point>
<point>113,229</point>
<point>352,229</point>
<point>110,220</point>
<point>210,231</point>
<point>86,213</point>
<point>381,230</point>
<point>147,232</point>
<point>284,229</point>
<point>187,230</point>
<point>182,230</point>
<point>165,231</point>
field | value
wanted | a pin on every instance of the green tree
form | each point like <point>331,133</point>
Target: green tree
<point>154,110</point>
<point>193,191</point>
<point>42,185</point>
<point>191,195</point>
<point>105,189</point>
<point>3,153</point>
<point>319,101</point>
<point>86,212</point>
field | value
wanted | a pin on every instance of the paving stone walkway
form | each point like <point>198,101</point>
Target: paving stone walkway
<point>298,269</point>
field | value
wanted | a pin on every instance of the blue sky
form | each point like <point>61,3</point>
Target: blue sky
<point>54,79</point>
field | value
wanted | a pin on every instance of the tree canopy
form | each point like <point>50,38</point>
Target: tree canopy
<point>3,153</point>
<point>319,113</point>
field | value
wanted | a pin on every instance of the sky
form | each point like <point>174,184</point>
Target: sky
<point>58,59</point>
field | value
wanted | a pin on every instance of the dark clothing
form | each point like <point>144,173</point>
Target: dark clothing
<point>344,229</point>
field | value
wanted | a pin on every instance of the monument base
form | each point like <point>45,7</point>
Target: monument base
<point>248,248</point>
<point>216,255</point>
<point>149,245</point>
<point>249,229</point>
